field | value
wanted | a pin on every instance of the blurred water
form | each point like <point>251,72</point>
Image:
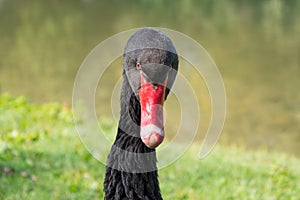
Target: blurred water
<point>255,44</point>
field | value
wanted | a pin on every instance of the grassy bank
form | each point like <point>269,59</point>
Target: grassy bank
<point>41,157</point>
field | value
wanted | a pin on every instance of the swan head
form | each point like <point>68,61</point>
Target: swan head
<point>150,65</point>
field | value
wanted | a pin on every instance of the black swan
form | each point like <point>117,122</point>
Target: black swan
<point>150,67</point>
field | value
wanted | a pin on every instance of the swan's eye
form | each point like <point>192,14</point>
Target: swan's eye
<point>138,66</point>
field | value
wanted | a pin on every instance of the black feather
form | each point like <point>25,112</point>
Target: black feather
<point>131,171</point>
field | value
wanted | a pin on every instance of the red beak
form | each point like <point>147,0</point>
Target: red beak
<point>152,121</point>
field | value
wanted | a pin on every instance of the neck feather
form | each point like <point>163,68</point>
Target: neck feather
<point>131,171</point>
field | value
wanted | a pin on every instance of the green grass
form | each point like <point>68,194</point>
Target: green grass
<point>232,173</point>
<point>41,157</point>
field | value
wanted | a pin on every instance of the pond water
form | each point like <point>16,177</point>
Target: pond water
<point>255,44</point>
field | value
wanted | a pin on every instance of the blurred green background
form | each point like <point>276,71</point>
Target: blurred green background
<point>255,44</point>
